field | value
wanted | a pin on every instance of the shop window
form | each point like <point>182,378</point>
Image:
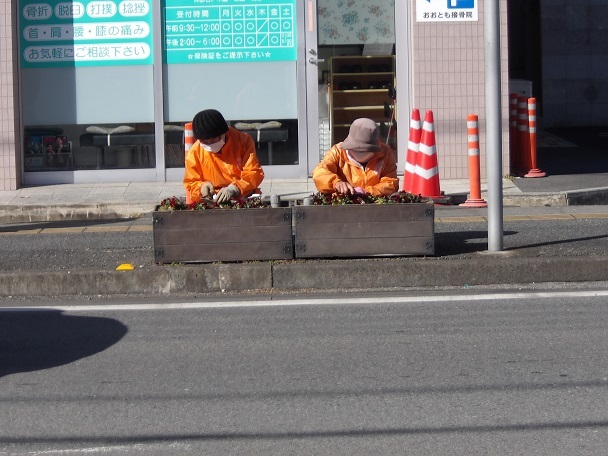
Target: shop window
<point>240,60</point>
<point>87,85</point>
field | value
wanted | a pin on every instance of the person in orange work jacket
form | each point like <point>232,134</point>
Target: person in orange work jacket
<point>359,164</point>
<point>222,161</point>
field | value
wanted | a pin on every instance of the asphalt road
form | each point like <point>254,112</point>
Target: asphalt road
<point>497,373</point>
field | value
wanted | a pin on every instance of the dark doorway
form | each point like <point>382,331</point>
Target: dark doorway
<point>525,54</point>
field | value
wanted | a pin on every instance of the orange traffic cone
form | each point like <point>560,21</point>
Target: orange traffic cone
<point>188,143</point>
<point>412,151</point>
<point>426,179</point>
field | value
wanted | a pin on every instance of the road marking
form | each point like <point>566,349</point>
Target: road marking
<point>317,301</point>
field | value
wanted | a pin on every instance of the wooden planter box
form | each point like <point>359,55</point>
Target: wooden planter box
<point>222,235</point>
<point>364,230</point>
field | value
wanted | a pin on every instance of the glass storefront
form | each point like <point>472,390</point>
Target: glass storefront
<point>241,59</point>
<point>86,85</point>
<point>95,99</point>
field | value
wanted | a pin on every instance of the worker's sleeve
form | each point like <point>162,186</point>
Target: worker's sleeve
<point>389,182</point>
<point>252,174</point>
<point>325,175</point>
<point>193,175</point>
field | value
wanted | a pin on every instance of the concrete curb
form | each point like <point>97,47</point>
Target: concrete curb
<point>539,199</point>
<point>587,197</point>
<point>70,212</point>
<point>385,273</point>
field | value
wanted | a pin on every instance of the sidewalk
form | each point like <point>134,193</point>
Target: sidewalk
<point>138,199</point>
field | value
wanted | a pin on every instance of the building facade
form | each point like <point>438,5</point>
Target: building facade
<point>100,91</point>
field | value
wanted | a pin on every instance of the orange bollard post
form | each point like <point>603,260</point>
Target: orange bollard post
<point>513,146</point>
<point>534,171</point>
<point>523,140</point>
<point>412,151</point>
<point>188,143</point>
<point>475,199</point>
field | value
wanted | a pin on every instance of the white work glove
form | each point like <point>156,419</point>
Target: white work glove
<point>207,189</point>
<point>226,193</point>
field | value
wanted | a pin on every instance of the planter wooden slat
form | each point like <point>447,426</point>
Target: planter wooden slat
<point>223,217</point>
<point>211,235</point>
<point>351,213</point>
<point>359,230</point>
<point>364,230</point>
<point>349,248</point>
<point>210,253</point>
<point>222,235</point>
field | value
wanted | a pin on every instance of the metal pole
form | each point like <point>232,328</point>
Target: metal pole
<point>494,125</point>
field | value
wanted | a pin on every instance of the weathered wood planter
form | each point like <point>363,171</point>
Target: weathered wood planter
<point>364,230</point>
<point>222,235</point>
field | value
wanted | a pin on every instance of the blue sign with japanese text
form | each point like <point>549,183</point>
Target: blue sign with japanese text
<point>461,3</point>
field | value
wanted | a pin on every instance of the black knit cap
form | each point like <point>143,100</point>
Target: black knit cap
<point>208,124</point>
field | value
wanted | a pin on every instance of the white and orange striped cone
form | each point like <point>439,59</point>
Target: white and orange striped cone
<point>412,151</point>
<point>474,199</point>
<point>426,179</point>
<point>534,171</point>
<point>188,143</point>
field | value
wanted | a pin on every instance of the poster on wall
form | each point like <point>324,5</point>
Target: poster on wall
<point>219,31</point>
<point>356,22</point>
<point>446,10</point>
<point>85,33</point>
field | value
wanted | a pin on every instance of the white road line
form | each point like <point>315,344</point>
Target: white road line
<point>316,301</point>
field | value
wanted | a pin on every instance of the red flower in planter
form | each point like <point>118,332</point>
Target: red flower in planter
<point>177,204</point>
<point>335,199</point>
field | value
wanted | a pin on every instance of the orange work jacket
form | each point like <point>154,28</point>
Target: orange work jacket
<point>236,164</point>
<point>379,177</point>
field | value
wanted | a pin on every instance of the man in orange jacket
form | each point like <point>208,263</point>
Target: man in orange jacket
<point>359,164</point>
<point>222,161</point>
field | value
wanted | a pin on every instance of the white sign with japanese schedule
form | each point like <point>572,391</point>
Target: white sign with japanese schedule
<point>446,10</point>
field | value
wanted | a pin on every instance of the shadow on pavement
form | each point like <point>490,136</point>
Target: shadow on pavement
<point>576,160</point>
<point>9,228</point>
<point>40,339</point>
<point>463,242</point>
<point>589,156</point>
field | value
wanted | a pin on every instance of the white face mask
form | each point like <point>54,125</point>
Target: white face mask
<point>215,147</point>
<point>361,157</point>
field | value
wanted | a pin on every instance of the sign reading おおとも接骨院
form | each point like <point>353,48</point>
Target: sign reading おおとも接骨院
<point>446,10</point>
